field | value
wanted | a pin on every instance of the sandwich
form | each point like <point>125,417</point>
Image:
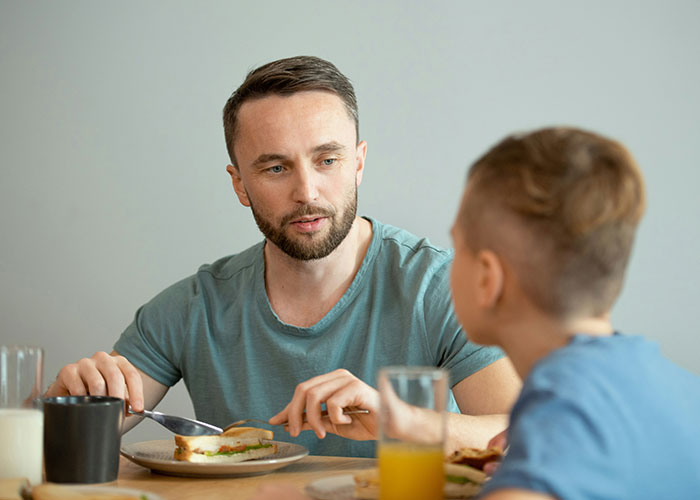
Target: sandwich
<point>234,445</point>
<point>464,471</point>
<point>475,457</point>
<point>464,474</point>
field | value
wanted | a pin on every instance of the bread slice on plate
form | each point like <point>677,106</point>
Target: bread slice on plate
<point>235,445</point>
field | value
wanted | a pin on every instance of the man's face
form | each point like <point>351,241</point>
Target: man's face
<point>298,169</point>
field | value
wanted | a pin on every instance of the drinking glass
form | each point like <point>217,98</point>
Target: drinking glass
<point>412,421</point>
<point>21,418</point>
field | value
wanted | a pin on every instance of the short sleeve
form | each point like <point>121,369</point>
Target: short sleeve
<point>154,341</point>
<point>453,351</point>
<point>558,448</point>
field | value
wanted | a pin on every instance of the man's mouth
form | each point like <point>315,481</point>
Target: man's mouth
<point>309,224</point>
<point>307,219</point>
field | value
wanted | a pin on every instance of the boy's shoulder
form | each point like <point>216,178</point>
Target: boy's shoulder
<point>595,349</point>
<point>592,360</point>
<point>611,371</point>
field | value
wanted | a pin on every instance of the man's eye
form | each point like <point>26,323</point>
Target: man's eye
<point>328,161</point>
<point>276,169</point>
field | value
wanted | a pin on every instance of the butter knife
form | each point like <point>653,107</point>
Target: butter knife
<point>179,425</point>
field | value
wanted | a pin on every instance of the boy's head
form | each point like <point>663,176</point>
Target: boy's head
<point>556,211</point>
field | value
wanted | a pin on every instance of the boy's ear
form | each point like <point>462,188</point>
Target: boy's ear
<point>238,185</point>
<point>490,278</point>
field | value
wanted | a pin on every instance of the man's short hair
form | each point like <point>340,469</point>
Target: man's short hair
<point>562,206</point>
<point>285,77</point>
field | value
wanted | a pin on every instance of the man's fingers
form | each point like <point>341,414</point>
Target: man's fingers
<point>118,377</point>
<point>500,440</point>
<point>299,405</point>
<point>68,382</point>
<point>336,404</point>
<point>320,394</point>
<point>336,390</point>
<point>356,394</point>
<point>294,412</point>
<point>134,383</point>
<point>92,378</point>
<point>491,467</point>
<point>101,375</point>
<point>114,379</point>
<point>280,417</point>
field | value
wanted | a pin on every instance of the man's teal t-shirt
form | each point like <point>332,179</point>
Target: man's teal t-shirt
<point>218,332</point>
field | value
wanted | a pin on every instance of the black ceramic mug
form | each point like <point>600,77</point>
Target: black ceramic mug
<point>82,435</point>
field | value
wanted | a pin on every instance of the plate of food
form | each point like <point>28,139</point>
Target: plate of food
<point>241,451</point>
<point>464,478</point>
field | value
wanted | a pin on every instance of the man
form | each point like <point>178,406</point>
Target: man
<point>326,290</point>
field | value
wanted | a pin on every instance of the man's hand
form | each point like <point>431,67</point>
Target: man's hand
<point>500,440</point>
<point>338,389</point>
<point>101,375</point>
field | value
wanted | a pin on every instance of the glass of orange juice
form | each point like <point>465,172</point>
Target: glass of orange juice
<point>412,422</point>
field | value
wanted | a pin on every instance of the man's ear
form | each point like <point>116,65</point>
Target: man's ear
<point>361,152</point>
<point>238,186</point>
<point>490,276</point>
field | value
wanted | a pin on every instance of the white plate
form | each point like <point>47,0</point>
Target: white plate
<point>158,456</point>
<point>332,488</point>
<point>91,489</point>
<point>342,487</point>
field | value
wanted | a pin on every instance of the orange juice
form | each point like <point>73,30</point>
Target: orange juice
<point>408,471</point>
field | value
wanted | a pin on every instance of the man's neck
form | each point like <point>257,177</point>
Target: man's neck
<point>303,292</point>
<point>536,336</point>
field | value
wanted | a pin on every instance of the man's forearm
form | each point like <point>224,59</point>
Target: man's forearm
<point>472,431</point>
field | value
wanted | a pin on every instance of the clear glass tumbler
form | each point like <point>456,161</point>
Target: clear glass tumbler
<point>412,422</point>
<point>21,417</point>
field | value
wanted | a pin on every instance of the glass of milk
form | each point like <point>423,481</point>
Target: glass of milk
<point>21,418</point>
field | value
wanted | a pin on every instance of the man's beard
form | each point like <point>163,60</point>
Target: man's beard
<point>303,246</point>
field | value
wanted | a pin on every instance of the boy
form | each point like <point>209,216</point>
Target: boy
<point>542,239</point>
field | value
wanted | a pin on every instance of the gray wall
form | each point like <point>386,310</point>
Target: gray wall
<point>112,153</point>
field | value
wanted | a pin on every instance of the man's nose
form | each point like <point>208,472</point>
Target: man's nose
<point>305,185</point>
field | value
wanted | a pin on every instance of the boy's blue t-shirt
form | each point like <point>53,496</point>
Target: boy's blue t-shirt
<point>605,418</point>
<point>218,332</point>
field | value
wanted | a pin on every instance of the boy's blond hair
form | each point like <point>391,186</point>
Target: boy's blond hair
<point>561,205</point>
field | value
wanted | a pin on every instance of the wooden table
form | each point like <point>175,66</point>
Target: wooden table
<point>299,474</point>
